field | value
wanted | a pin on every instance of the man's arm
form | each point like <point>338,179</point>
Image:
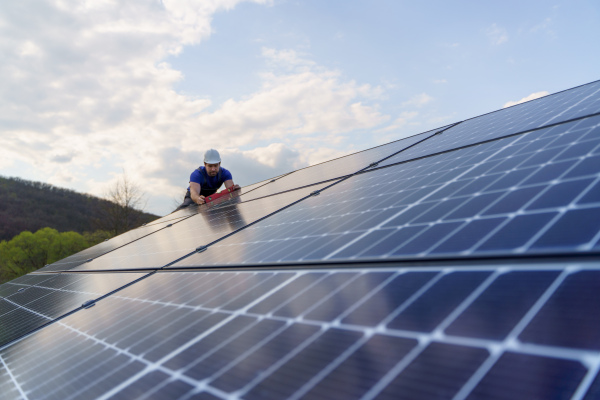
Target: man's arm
<point>229,183</point>
<point>195,193</point>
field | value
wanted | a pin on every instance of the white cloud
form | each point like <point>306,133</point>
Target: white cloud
<point>418,101</point>
<point>496,34</point>
<point>85,93</point>
<point>532,96</point>
<point>403,119</point>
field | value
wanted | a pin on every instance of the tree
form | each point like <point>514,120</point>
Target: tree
<point>28,251</point>
<point>124,208</point>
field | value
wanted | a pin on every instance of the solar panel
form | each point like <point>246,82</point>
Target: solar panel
<point>178,240</point>
<point>570,104</point>
<point>308,334</point>
<point>514,195</point>
<point>51,298</point>
<point>463,265</point>
<point>105,247</point>
<point>336,168</point>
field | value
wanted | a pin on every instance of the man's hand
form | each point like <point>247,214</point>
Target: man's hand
<point>200,200</point>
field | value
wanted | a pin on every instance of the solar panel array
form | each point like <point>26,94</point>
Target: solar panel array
<point>460,263</point>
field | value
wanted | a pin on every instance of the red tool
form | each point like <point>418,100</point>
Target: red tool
<point>222,193</point>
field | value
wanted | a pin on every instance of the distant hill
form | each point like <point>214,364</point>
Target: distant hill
<point>29,206</point>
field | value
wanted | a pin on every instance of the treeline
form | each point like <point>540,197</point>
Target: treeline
<point>28,251</point>
<point>30,206</point>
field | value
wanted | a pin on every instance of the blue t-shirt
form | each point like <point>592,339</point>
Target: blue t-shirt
<point>212,183</point>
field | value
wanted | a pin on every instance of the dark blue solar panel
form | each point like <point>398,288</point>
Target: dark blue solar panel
<point>105,247</point>
<point>169,244</point>
<point>563,320</point>
<point>564,106</point>
<point>520,376</point>
<point>407,211</point>
<point>52,297</point>
<point>437,373</point>
<point>407,331</point>
<point>431,308</point>
<point>333,169</point>
<point>508,298</point>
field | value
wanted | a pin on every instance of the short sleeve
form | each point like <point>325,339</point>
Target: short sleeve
<point>196,177</point>
<point>226,175</point>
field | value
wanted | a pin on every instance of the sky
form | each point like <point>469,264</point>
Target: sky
<point>94,89</point>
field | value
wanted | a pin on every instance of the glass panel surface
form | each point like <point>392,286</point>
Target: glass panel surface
<point>52,297</point>
<point>573,103</point>
<point>105,247</point>
<point>352,332</point>
<point>334,169</point>
<point>211,223</point>
<point>532,193</point>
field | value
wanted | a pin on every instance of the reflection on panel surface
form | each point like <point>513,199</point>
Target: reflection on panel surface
<point>51,296</point>
<point>210,224</point>
<point>374,332</point>
<point>105,247</point>
<point>533,193</point>
<point>334,169</point>
<point>573,103</point>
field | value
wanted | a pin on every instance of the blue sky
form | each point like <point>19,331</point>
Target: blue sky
<point>92,89</point>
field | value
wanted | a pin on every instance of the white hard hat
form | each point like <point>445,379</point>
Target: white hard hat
<point>212,157</point>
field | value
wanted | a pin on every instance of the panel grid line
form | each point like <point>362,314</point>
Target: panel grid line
<point>13,379</point>
<point>511,339</point>
<point>275,366</point>
<point>378,226</point>
<point>572,106</point>
<point>426,338</point>
<point>458,310</point>
<point>395,371</point>
<point>466,146</point>
<point>334,364</point>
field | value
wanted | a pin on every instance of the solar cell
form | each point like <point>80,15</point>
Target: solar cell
<point>478,200</point>
<point>525,372</point>
<point>159,338</point>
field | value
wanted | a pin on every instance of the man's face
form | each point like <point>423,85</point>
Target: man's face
<point>212,169</point>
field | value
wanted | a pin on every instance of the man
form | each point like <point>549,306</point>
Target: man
<point>207,179</point>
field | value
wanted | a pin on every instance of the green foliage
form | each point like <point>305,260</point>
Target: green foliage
<point>28,251</point>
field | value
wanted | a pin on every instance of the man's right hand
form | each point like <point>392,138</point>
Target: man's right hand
<point>200,200</point>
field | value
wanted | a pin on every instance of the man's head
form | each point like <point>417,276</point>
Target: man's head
<point>212,162</point>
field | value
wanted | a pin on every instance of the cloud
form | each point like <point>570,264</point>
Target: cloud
<point>85,93</point>
<point>496,34</point>
<point>418,101</point>
<point>532,96</point>
<point>403,119</point>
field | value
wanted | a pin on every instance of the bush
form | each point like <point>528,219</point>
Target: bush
<point>28,251</point>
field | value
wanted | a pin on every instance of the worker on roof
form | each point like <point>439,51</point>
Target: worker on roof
<point>207,179</point>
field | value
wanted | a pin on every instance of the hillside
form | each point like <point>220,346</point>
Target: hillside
<point>29,206</point>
